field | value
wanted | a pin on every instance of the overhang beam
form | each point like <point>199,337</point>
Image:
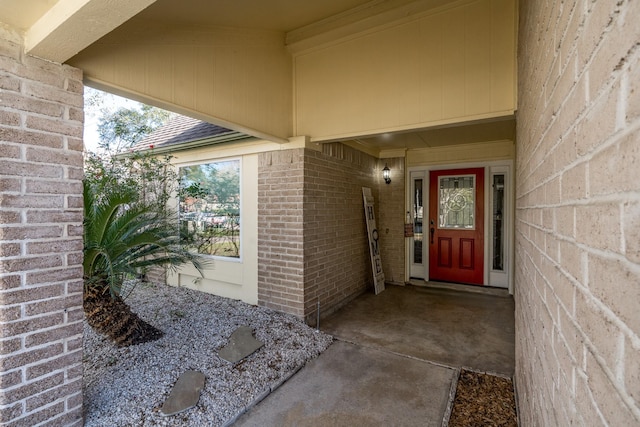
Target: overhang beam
<point>72,25</point>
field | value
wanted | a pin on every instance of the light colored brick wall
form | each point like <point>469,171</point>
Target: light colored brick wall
<point>312,236</point>
<point>578,213</point>
<point>280,240</point>
<point>337,263</point>
<point>391,218</point>
<point>41,122</point>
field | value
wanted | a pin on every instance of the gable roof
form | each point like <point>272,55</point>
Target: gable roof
<point>183,132</point>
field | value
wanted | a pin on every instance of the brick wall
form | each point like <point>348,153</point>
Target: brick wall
<point>280,242</point>
<point>41,121</point>
<point>312,236</point>
<point>391,219</point>
<point>337,262</point>
<point>578,213</point>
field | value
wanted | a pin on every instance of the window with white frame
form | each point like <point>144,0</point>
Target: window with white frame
<point>209,203</point>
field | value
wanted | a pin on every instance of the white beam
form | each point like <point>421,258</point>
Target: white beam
<point>71,25</point>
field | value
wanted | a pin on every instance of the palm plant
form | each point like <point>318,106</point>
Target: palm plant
<point>124,236</point>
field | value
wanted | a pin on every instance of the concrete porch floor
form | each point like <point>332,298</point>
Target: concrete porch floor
<point>453,325</point>
<point>395,359</point>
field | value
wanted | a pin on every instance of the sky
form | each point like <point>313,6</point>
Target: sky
<point>92,113</point>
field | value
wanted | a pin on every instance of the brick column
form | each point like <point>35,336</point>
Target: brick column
<point>312,235</point>
<point>577,275</point>
<point>280,240</point>
<point>391,219</point>
<point>41,122</point>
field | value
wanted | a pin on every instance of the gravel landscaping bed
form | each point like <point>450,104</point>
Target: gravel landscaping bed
<point>127,386</point>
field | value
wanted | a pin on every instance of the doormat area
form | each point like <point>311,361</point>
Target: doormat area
<point>483,399</point>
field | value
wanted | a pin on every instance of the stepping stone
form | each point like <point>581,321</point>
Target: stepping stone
<point>184,394</point>
<point>241,344</point>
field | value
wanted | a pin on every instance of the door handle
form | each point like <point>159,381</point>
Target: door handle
<point>433,230</point>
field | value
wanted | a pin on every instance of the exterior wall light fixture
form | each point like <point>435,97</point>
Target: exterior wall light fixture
<point>386,174</point>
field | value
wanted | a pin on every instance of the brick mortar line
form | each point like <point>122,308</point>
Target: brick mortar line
<point>628,130</point>
<point>605,254</point>
<point>605,90</point>
<point>621,197</point>
<point>615,319</point>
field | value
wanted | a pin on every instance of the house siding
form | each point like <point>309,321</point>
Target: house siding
<point>577,214</point>
<point>41,125</point>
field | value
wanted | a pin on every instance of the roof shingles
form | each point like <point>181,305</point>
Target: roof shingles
<point>179,130</point>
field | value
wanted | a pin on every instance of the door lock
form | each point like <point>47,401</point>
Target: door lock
<point>433,230</point>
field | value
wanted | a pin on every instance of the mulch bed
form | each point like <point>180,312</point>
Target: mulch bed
<point>483,400</point>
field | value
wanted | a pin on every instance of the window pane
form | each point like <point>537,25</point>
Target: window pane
<point>456,202</point>
<point>498,222</point>
<point>417,221</point>
<point>210,208</point>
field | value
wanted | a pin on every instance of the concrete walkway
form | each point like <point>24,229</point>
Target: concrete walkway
<point>350,385</point>
<point>395,359</point>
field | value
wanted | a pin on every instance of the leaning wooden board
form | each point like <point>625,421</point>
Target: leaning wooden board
<point>374,244</point>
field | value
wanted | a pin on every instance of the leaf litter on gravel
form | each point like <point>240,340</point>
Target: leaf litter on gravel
<point>483,400</point>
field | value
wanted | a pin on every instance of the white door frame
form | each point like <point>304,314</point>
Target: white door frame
<point>491,168</point>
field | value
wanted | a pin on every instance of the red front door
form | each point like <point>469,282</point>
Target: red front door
<point>456,226</point>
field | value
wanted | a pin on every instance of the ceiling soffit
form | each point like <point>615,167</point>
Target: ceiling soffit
<point>299,20</point>
<point>22,14</point>
<point>304,24</point>
<point>502,129</point>
<point>273,15</point>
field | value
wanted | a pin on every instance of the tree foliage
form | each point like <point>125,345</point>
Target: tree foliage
<point>151,179</point>
<point>122,123</point>
<point>122,128</point>
<point>124,235</point>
